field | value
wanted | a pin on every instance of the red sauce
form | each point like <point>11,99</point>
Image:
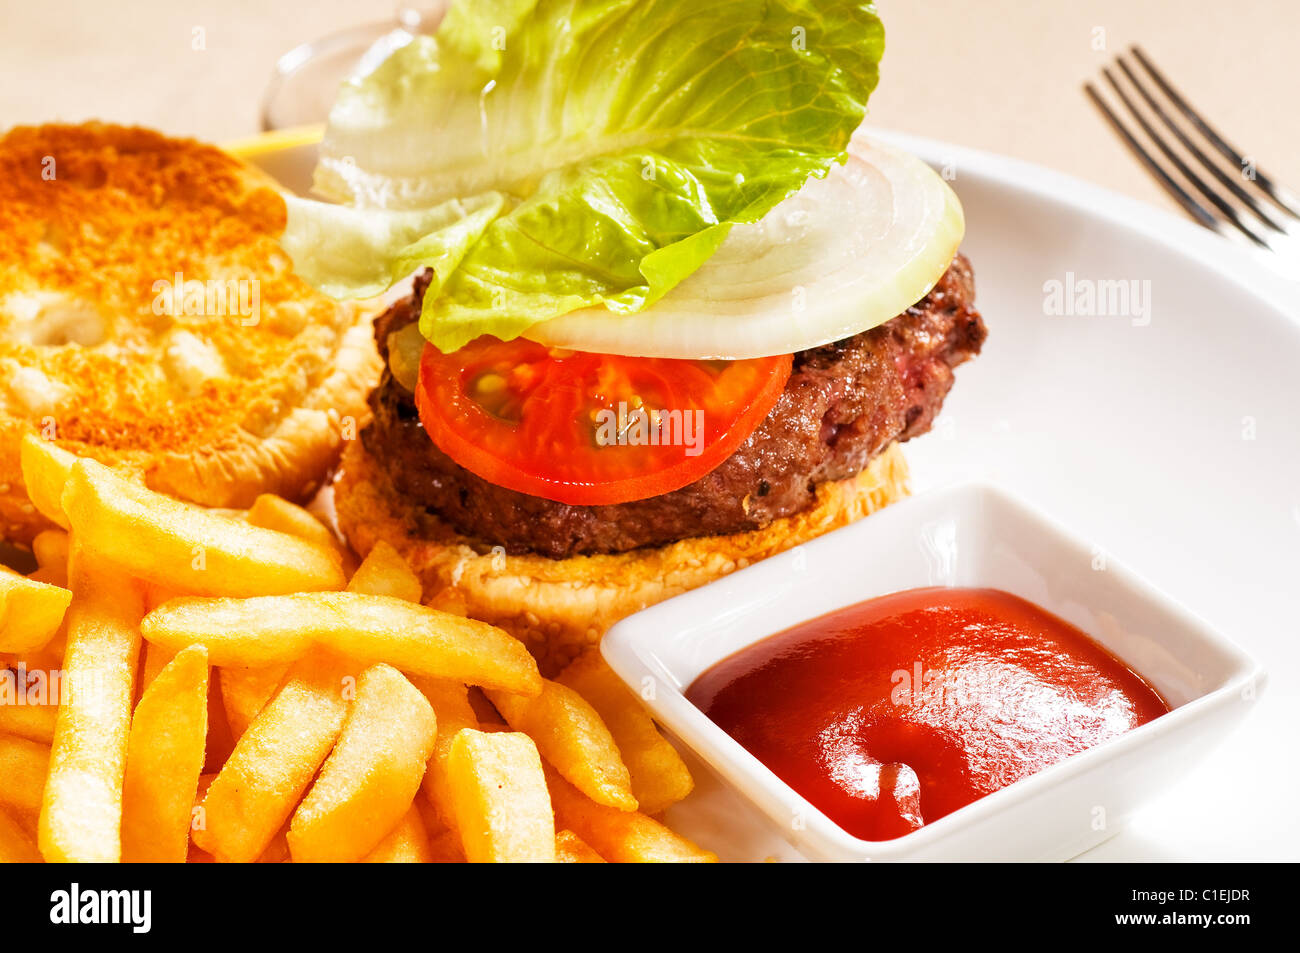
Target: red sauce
<point>896,711</point>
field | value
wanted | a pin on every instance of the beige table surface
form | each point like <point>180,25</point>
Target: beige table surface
<point>1000,75</point>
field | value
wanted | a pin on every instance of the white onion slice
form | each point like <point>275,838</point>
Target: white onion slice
<point>844,254</point>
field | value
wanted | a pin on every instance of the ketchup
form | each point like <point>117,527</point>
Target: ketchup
<point>891,713</point>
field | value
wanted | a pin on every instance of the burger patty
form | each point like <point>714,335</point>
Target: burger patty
<point>844,403</point>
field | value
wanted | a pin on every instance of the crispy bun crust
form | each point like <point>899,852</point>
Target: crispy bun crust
<point>252,388</point>
<point>560,606</point>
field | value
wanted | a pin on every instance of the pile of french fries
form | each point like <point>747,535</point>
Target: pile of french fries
<point>192,684</point>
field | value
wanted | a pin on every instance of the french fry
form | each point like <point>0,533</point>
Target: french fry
<point>275,512</point>
<point>165,541</point>
<point>246,691</point>
<point>164,757</point>
<point>199,816</point>
<point>51,550</point>
<point>572,849</point>
<point>32,680</point>
<point>45,469</point>
<point>277,852</point>
<point>385,573</point>
<point>222,626</point>
<point>15,846</point>
<point>49,576</point>
<point>489,719</point>
<point>276,629</point>
<point>450,701</point>
<point>274,761</point>
<point>35,722</point>
<point>619,836</point>
<point>572,738</point>
<point>23,766</point>
<point>659,775</point>
<point>48,659</point>
<point>220,741</point>
<point>371,777</point>
<point>406,843</point>
<point>81,811</point>
<point>445,848</point>
<point>503,810</point>
<point>30,612</point>
<point>433,824</point>
<point>156,658</point>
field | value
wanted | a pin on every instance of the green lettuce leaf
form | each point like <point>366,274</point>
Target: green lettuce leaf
<point>616,143</point>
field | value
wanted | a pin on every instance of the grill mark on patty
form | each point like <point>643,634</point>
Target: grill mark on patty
<point>843,404</point>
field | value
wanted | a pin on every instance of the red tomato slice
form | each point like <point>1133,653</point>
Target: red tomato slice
<point>590,429</point>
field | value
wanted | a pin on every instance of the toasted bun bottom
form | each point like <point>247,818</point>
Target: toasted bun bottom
<point>558,607</point>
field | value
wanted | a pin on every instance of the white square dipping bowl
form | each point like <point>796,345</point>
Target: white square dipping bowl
<point>970,536</point>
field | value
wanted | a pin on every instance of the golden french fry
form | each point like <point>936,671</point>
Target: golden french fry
<point>45,469</point>
<point>277,852</point>
<point>49,577</point>
<point>274,512</point>
<point>177,544</point>
<point>373,774</point>
<point>385,573</point>
<point>246,691</point>
<point>164,757</point>
<point>406,843</point>
<point>445,848</point>
<point>30,612</point>
<point>572,849</point>
<point>433,824</point>
<point>275,629</point>
<point>156,658</point>
<point>489,719</point>
<point>81,812</point>
<point>23,766</point>
<point>659,775</point>
<point>619,836</point>
<point>29,720</point>
<point>448,599</point>
<point>274,761</point>
<point>51,550</point>
<point>450,701</point>
<point>220,742</point>
<point>30,685</point>
<point>503,810</point>
<point>571,736</point>
<point>222,627</point>
<point>15,846</point>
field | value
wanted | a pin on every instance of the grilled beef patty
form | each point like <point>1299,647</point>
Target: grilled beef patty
<point>844,403</point>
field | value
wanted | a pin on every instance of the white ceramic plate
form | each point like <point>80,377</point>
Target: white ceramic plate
<point>1172,443</point>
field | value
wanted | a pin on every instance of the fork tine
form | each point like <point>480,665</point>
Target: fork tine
<point>1284,197</point>
<point>1214,198</point>
<point>1229,182</point>
<point>1180,195</point>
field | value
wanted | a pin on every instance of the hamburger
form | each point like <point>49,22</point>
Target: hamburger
<point>670,315</point>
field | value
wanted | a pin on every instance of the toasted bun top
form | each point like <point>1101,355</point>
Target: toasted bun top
<point>148,313</point>
<point>95,223</point>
